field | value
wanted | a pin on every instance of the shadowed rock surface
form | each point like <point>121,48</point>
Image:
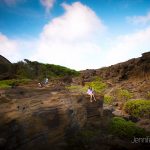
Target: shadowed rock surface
<point>38,121</point>
<point>5,68</point>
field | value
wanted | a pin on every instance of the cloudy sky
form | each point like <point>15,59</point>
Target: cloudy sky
<point>85,34</point>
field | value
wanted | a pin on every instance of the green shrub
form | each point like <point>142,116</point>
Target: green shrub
<point>125,129</point>
<point>138,108</point>
<point>123,94</point>
<point>108,99</point>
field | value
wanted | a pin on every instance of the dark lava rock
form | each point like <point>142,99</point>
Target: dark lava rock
<point>5,68</point>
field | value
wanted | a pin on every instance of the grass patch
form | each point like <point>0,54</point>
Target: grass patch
<point>9,83</point>
<point>138,108</point>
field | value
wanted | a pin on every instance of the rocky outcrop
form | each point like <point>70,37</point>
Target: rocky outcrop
<point>5,68</point>
<point>39,121</point>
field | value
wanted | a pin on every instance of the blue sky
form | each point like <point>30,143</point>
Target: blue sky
<point>82,34</point>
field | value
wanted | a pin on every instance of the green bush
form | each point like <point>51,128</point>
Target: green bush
<point>138,108</point>
<point>108,99</point>
<point>123,94</point>
<point>125,129</point>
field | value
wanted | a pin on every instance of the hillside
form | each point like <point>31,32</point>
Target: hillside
<point>34,70</point>
<point>60,116</point>
<point>133,75</point>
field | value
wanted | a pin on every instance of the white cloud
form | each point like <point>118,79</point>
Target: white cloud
<point>9,48</point>
<point>48,4</point>
<point>70,39</point>
<point>77,40</point>
<point>139,19</point>
<point>78,22</point>
<point>128,46</point>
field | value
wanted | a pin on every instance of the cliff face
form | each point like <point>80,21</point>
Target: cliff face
<point>40,118</point>
<point>5,68</point>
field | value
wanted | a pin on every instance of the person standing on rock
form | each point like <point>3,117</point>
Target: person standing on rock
<point>91,93</point>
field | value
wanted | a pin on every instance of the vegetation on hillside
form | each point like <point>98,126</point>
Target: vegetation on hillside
<point>35,70</point>
<point>13,82</point>
<point>17,73</point>
<point>97,85</point>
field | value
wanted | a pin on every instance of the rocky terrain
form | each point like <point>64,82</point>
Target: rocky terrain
<point>35,118</point>
<point>52,117</point>
<point>133,75</point>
